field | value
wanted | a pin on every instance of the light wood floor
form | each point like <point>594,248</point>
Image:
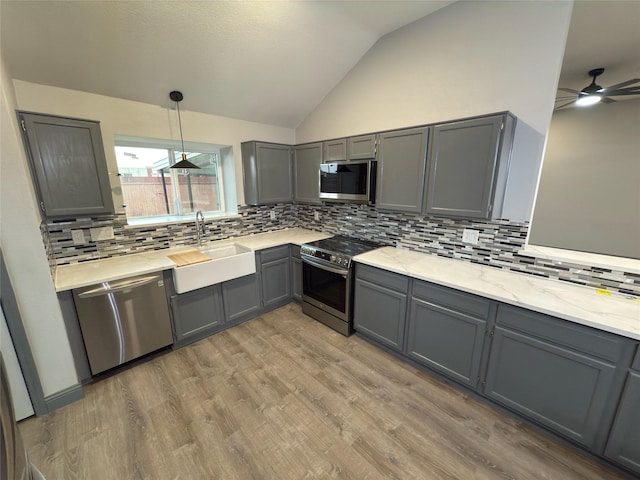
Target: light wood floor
<point>283,397</point>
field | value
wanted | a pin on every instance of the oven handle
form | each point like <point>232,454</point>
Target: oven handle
<point>339,271</point>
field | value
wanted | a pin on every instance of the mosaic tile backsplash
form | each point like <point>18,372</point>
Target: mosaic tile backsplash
<point>499,240</point>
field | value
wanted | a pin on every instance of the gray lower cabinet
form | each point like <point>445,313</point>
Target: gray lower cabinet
<point>267,173</point>
<point>447,331</point>
<point>307,160</point>
<point>380,306</point>
<point>68,164</point>
<point>275,271</point>
<point>197,314</point>
<point>468,164</point>
<point>623,446</point>
<point>560,374</point>
<point>241,298</point>
<point>401,174</point>
<point>296,273</point>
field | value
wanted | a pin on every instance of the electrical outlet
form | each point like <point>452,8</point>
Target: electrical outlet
<point>78,237</point>
<point>470,236</point>
<point>101,233</point>
<point>272,214</point>
<point>316,216</point>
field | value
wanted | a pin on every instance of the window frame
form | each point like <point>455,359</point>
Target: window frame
<point>175,148</point>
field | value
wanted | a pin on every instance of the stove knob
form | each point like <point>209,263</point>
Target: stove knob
<point>333,259</point>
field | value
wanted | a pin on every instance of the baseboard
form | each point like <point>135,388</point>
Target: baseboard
<point>64,397</point>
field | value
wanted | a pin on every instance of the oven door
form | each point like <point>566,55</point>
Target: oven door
<point>327,287</point>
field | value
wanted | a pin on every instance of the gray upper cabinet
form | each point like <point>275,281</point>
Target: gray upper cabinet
<point>447,331</point>
<point>267,172</point>
<point>402,170</point>
<point>564,376</point>
<point>334,150</point>
<point>468,166</point>
<point>307,159</point>
<point>68,164</point>
<point>362,147</point>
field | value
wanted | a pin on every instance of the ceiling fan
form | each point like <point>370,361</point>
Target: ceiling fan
<point>594,93</point>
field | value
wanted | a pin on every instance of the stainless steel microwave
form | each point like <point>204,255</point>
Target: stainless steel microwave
<point>348,181</point>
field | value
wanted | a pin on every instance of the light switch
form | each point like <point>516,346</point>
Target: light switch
<point>101,233</point>
<point>316,216</point>
<point>77,237</point>
<point>272,214</point>
<point>470,236</point>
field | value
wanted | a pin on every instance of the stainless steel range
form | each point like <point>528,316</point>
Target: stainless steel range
<point>327,280</point>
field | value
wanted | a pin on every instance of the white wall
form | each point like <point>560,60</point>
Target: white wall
<point>589,195</point>
<point>124,117</point>
<point>467,59</point>
<point>26,259</point>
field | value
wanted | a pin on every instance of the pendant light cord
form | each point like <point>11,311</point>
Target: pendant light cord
<point>180,126</point>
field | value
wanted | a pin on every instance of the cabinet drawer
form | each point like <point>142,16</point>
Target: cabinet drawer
<point>561,332</point>
<point>275,253</point>
<point>636,361</point>
<point>394,281</point>
<point>454,299</point>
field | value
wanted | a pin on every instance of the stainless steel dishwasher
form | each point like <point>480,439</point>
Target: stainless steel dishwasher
<point>123,319</point>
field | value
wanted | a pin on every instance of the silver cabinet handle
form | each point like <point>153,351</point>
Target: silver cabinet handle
<point>106,288</point>
<point>339,271</point>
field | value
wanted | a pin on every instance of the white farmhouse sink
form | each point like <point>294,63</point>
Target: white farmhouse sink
<point>227,262</point>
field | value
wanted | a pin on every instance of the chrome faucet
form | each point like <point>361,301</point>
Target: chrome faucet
<point>200,228</point>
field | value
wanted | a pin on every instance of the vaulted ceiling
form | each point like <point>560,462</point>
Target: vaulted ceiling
<point>265,61</point>
<point>602,34</point>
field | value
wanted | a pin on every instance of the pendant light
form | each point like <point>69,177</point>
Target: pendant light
<point>177,97</point>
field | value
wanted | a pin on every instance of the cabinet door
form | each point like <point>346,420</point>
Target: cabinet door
<point>196,314</point>
<point>241,298</point>
<point>445,340</point>
<point>401,170</point>
<point>623,446</point>
<point>267,173</point>
<point>296,277</point>
<point>276,282</point>
<point>556,386</point>
<point>362,147</point>
<point>462,166</point>
<point>380,313</point>
<point>69,165</point>
<point>307,160</point>
<point>334,150</point>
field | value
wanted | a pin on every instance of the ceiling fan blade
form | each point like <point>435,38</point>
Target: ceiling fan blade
<point>624,91</point>
<point>564,105</point>
<point>623,84</point>
<point>607,100</point>
<point>571,90</point>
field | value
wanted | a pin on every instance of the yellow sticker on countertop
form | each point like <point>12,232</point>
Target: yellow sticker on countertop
<point>601,291</point>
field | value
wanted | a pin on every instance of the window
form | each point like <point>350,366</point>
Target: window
<point>154,192</point>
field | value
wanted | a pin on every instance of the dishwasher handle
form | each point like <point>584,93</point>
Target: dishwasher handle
<point>106,288</point>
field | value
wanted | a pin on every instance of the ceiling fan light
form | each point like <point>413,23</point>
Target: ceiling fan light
<point>587,100</point>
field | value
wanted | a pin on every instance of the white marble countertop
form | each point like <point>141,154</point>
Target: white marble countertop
<point>575,303</point>
<point>68,277</point>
